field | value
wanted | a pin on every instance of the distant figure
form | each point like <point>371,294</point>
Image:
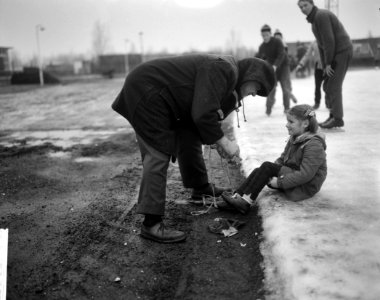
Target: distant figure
<point>300,170</point>
<point>272,50</point>
<point>336,50</point>
<point>286,66</point>
<point>176,105</point>
<point>301,50</point>
<point>312,56</point>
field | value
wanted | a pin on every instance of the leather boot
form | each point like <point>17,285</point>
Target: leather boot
<point>238,202</point>
<point>211,190</point>
<point>332,123</point>
<point>160,234</point>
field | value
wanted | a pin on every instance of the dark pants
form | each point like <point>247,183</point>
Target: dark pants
<point>258,178</point>
<point>284,78</point>
<point>193,170</point>
<point>333,85</point>
<point>318,79</point>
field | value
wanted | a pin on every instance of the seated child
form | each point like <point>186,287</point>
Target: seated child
<point>300,170</point>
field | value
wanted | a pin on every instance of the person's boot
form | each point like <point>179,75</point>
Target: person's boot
<point>209,190</point>
<point>268,111</point>
<point>316,106</point>
<point>221,204</point>
<point>159,233</point>
<point>333,122</point>
<point>326,121</point>
<point>238,202</point>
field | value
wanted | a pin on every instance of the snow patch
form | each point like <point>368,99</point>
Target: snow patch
<point>326,247</point>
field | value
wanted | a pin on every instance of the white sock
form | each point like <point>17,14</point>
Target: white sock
<point>247,198</point>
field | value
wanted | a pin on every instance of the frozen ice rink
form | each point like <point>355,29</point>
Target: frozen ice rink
<point>326,247</point>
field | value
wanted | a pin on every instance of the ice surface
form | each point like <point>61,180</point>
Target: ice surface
<point>326,247</point>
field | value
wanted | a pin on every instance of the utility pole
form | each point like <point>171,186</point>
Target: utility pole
<point>126,57</point>
<point>39,28</point>
<point>333,6</point>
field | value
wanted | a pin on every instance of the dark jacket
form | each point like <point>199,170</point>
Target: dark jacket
<point>273,52</point>
<point>193,91</point>
<point>331,36</point>
<point>304,167</point>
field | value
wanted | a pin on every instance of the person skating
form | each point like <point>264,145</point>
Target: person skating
<point>300,170</point>
<point>312,55</point>
<point>286,67</point>
<point>336,50</point>
<point>176,105</point>
<point>272,50</point>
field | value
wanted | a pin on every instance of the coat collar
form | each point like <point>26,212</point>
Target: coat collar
<point>311,16</point>
<point>308,136</point>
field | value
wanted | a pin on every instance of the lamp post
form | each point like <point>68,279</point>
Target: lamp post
<point>126,57</point>
<point>39,28</point>
<point>141,45</point>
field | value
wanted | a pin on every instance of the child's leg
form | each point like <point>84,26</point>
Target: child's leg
<point>258,179</point>
<point>244,188</point>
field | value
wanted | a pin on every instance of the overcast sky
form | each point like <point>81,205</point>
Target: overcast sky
<point>165,24</point>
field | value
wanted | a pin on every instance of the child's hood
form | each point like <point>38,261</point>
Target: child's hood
<point>307,136</point>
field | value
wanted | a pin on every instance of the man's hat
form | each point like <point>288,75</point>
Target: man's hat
<point>278,32</point>
<point>266,28</point>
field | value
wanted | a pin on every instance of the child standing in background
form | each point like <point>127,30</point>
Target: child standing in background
<point>300,170</point>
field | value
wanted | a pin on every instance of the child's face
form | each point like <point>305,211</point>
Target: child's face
<point>295,126</point>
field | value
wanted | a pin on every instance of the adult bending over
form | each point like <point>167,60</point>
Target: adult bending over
<point>176,105</point>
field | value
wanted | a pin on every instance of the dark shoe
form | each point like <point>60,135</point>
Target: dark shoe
<point>210,191</point>
<point>332,123</point>
<point>223,205</point>
<point>238,202</point>
<point>325,122</point>
<point>160,234</point>
<point>268,112</point>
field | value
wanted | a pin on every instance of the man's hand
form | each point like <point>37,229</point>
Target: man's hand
<point>226,148</point>
<point>329,71</point>
<point>299,67</point>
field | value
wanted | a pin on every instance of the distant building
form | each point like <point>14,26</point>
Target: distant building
<point>5,60</point>
<point>366,51</point>
<point>110,64</point>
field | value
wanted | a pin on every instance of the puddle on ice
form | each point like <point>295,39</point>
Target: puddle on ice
<point>84,159</point>
<point>59,154</point>
<point>60,138</point>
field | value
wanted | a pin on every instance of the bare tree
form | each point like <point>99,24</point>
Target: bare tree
<point>233,42</point>
<point>100,40</point>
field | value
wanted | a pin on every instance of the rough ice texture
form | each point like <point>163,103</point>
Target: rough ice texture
<point>326,247</point>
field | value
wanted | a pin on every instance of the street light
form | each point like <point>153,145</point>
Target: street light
<point>126,57</point>
<point>39,28</point>
<point>141,45</point>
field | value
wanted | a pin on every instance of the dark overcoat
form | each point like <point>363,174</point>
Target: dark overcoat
<point>192,91</point>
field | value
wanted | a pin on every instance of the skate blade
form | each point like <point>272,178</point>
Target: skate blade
<point>333,130</point>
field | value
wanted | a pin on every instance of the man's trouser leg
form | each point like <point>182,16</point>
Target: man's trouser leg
<point>333,85</point>
<point>190,159</point>
<point>258,178</point>
<point>286,87</point>
<point>271,98</point>
<point>318,79</point>
<point>152,193</point>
